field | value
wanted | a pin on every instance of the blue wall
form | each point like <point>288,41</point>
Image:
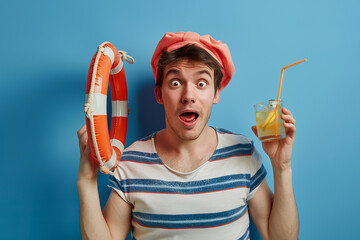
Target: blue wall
<point>46,48</point>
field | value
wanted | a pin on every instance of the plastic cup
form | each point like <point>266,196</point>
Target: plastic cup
<point>265,115</point>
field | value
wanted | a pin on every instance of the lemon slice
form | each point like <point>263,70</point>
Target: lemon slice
<point>270,118</point>
<point>271,121</point>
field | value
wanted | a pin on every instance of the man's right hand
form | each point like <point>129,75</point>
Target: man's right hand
<point>88,169</point>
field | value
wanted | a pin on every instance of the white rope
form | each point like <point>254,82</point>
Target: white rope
<point>88,109</point>
<point>126,57</point>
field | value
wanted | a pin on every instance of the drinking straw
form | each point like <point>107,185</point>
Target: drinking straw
<point>279,91</point>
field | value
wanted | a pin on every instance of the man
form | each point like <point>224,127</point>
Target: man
<point>189,180</point>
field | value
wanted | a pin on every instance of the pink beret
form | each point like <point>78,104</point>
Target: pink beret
<point>217,49</point>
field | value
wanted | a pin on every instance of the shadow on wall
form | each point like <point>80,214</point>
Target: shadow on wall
<point>151,114</point>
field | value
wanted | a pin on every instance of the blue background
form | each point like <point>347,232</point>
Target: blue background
<point>46,48</point>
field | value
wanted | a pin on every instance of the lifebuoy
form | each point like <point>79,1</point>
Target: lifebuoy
<point>107,65</point>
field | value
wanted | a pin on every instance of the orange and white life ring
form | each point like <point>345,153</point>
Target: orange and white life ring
<point>107,64</point>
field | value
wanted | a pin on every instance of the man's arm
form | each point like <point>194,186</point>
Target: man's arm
<point>115,222</point>
<point>275,215</point>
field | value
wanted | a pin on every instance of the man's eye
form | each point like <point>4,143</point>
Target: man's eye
<point>175,83</point>
<point>202,84</point>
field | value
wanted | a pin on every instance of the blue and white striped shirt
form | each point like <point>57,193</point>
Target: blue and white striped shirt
<point>209,202</point>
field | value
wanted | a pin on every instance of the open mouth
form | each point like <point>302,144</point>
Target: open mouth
<point>189,117</point>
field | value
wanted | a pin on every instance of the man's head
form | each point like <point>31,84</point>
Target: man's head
<point>190,70</point>
<point>189,53</point>
<point>216,49</point>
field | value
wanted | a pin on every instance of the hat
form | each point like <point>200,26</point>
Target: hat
<point>217,49</point>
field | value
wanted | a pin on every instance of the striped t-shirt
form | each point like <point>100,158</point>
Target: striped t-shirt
<point>209,202</point>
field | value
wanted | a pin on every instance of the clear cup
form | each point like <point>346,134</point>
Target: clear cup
<point>265,115</point>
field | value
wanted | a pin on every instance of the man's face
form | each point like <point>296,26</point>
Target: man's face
<point>188,94</point>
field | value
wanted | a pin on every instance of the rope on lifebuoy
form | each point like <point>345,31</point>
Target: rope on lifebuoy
<point>88,105</point>
<point>126,57</point>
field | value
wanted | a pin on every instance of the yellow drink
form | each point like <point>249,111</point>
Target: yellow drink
<point>265,115</point>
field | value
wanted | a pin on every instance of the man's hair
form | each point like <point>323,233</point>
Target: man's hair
<point>190,53</point>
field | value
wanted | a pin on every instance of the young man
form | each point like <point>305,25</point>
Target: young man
<point>189,180</point>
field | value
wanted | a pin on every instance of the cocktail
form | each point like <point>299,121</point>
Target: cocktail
<point>266,121</point>
<point>267,114</point>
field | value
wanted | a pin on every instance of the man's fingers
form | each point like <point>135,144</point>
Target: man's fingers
<point>286,111</point>
<point>288,119</point>
<point>287,116</point>
<point>81,131</point>
<point>289,122</point>
<point>83,137</point>
<point>290,129</point>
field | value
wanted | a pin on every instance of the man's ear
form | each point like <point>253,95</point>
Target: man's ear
<point>158,95</point>
<point>216,97</point>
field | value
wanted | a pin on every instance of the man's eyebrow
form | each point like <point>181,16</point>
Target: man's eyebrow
<point>172,71</point>
<point>177,72</point>
<point>204,72</point>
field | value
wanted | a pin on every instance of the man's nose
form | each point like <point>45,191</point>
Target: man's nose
<point>188,95</point>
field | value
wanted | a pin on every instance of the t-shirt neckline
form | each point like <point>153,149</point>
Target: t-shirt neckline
<point>192,171</point>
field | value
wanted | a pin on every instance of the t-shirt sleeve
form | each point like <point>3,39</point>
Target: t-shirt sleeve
<point>257,173</point>
<point>118,184</point>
